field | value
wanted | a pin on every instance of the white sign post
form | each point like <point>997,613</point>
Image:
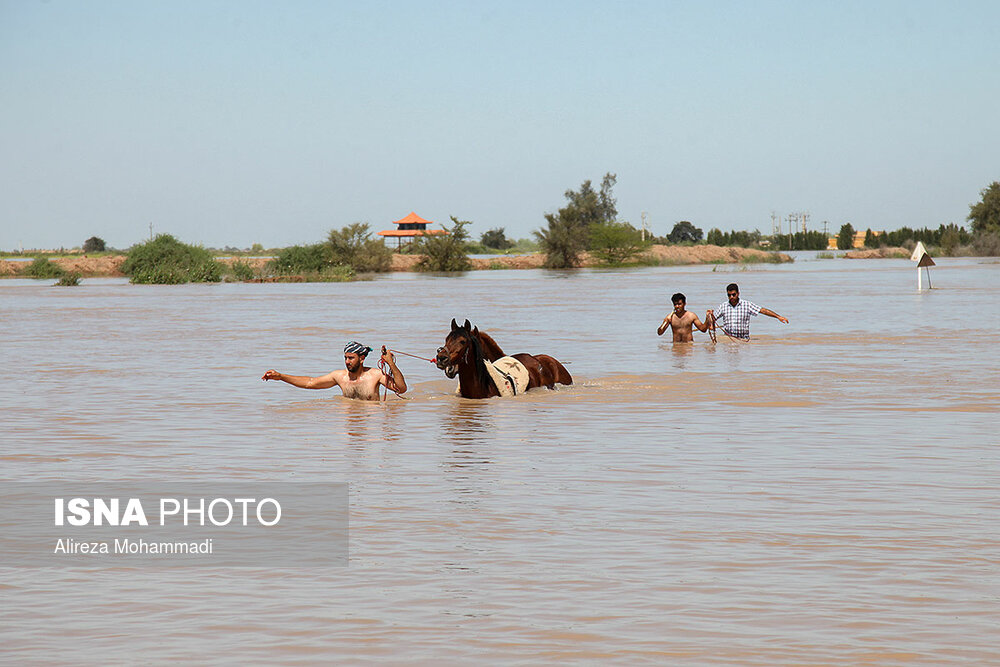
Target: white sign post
<point>923,261</point>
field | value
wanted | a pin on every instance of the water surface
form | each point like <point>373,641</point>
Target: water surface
<point>826,494</point>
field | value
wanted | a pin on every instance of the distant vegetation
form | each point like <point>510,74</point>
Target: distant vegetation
<point>241,270</point>
<point>69,280</point>
<point>568,232</point>
<point>43,269</point>
<point>615,242</point>
<point>445,252</point>
<point>353,246</point>
<point>167,261</point>
<point>496,239</point>
<point>347,251</point>
<point>94,244</point>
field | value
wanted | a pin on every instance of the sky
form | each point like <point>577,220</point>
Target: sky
<point>242,122</point>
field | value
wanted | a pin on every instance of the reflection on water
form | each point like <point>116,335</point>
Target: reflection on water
<point>825,494</point>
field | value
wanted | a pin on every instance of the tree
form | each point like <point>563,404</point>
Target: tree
<point>871,241</point>
<point>985,216</point>
<point>845,239</point>
<point>684,231</point>
<point>445,252</point>
<point>94,244</point>
<point>496,239</point>
<point>568,232</point>
<point>353,246</point>
<point>616,242</point>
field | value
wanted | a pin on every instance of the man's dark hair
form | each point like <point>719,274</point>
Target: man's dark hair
<point>678,297</point>
<point>732,287</point>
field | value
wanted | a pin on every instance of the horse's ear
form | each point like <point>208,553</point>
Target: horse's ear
<point>476,331</point>
<point>468,325</point>
<point>454,324</point>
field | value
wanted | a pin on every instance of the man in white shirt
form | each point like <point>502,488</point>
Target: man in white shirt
<point>733,316</point>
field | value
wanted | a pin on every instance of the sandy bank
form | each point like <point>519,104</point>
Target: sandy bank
<point>878,253</point>
<point>109,266</point>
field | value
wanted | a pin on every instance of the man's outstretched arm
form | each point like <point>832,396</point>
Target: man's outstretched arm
<point>771,313</point>
<point>302,381</point>
<point>699,325</point>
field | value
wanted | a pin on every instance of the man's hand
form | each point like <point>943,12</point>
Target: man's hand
<point>783,320</point>
<point>387,356</point>
<point>271,375</point>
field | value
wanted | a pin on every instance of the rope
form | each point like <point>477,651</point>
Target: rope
<point>414,356</point>
<point>384,367</point>
<point>711,332</point>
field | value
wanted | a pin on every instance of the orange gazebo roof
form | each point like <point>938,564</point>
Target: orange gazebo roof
<point>411,218</point>
<point>402,233</point>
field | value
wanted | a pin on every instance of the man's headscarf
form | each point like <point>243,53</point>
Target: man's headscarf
<point>354,347</point>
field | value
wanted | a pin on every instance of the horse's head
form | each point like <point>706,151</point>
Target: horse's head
<point>460,345</point>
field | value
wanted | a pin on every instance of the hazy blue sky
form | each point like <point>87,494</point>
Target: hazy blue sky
<point>229,123</point>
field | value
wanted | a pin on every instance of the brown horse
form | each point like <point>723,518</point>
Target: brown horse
<point>466,348</point>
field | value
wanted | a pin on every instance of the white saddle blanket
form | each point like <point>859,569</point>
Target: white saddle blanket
<point>509,375</point>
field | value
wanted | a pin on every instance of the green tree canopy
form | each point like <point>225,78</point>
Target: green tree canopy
<point>94,244</point>
<point>684,231</point>
<point>845,239</point>
<point>496,239</point>
<point>353,246</point>
<point>985,215</point>
<point>615,242</point>
<point>568,231</point>
<point>445,252</point>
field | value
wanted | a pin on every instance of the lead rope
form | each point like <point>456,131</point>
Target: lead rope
<point>384,367</point>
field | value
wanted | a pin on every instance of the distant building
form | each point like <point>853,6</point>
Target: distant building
<point>409,228</point>
<point>859,240</point>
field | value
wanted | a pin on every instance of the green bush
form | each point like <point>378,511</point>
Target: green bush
<point>301,259</point>
<point>167,261</point>
<point>986,244</point>
<point>69,280</point>
<point>496,239</point>
<point>94,244</point>
<point>241,270</point>
<point>353,246</point>
<point>444,252</point>
<point>43,269</point>
<point>615,242</point>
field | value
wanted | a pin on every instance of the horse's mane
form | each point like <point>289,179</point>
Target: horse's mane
<point>491,349</point>
<point>478,358</point>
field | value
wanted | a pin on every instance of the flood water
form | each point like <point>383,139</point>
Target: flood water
<point>828,493</point>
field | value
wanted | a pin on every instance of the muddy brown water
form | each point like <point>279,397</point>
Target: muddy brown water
<point>826,494</point>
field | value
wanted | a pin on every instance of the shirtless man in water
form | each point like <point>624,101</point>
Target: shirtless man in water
<point>681,321</point>
<point>357,381</point>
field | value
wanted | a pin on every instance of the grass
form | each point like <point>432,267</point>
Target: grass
<point>69,280</point>
<point>770,258</point>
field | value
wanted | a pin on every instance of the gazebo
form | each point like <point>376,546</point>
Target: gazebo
<point>408,228</point>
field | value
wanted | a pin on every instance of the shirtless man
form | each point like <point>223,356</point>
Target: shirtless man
<point>357,381</point>
<point>681,321</point>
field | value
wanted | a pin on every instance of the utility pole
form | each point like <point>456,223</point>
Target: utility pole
<point>644,226</point>
<point>805,219</point>
<point>775,224</point>
<point>150,231</point>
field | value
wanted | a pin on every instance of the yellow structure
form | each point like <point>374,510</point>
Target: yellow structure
<point>859,240</point>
